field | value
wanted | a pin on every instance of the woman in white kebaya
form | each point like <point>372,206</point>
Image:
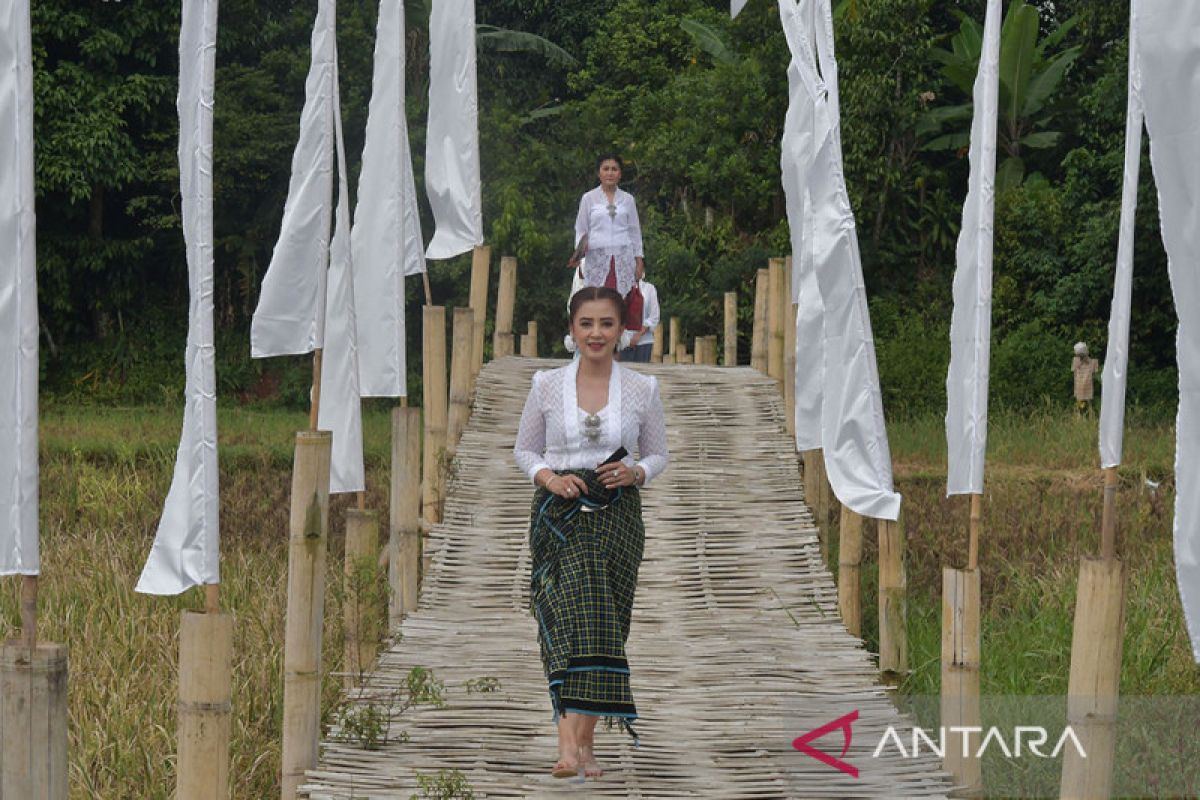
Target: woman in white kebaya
<point>608,217</point>
<point>579,426</point>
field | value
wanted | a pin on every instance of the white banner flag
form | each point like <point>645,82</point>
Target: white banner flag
<point>735,8</point>
<point>1116,363</point>
<point>187,546</point>
<point>971,321</point>
<point>341,407</point>
<point>1168,48</point>
<point>18,300</point>
<point>385,241</point>
<point>853,435</point>
<point>452,136</point>
<point>796,156</point>
<point>289,319</point>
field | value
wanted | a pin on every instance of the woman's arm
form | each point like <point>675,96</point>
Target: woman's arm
<point>652,436</point>
<point>530,449</point>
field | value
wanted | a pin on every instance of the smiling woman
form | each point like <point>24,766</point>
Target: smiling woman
<point>586,531</point>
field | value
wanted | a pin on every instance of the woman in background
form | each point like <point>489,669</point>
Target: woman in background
<point>608,218</point>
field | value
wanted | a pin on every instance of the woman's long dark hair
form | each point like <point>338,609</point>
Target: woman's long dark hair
<point>589,293</point>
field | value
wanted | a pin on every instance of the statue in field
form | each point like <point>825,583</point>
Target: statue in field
<point>1084,367</point>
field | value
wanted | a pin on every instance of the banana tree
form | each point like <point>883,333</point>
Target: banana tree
<point>1030,74</point>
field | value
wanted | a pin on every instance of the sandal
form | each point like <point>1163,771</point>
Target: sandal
<point>561,770</point>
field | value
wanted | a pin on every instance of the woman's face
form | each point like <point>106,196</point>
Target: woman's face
<point>610,173</point>
<point>596,329</point>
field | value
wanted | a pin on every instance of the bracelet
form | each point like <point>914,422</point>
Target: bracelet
<point>546,485</point>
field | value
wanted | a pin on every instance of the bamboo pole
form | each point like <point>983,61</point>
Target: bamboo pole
<point>314,406</point>
<point>730,344</point>
<point>360,573</point>
<point>960,673</point>
<point>460,377</point>
<point>404,536</point>
<point>758,340</point>
<point>893,602</point>
<point>676,338</point>
<point>481,264</point>
<point>656,349</point>
<point>205,691</point>
<point>668,358</point>
<point>434,408</point>
<point>33,721</point>
<point>789,352</point>
<point>814,495</point>
<point>29,610</point>
<point>1108,523</point>
<point>976,524</point>
<point>776,316</point>
<point>1093,688</point>
<point>506,299</point>
<point>309,530</point>
<point>700,350</point>
<point>212,598</point>
<point>849,569</point>
<point>529,343</point>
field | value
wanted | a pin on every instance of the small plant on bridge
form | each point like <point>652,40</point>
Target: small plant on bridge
<point>445,784</point>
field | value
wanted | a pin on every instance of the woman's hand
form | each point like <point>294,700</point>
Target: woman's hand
<point>565,486</point>
<point>618,474</point>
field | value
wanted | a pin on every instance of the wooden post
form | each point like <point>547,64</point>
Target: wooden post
<point>360,573</point>
<point>758,340</point>
<point>893,602</point>
<point>730,343</point>
<point>205,692</point>
<point>814,481</point>
<point>404,536</point>
<point>656,349</point>
<point>676,338</point>
<point>309,531</point>
<point>33,721</point>
<point>776,316</point>
<point>668,358</point>
<point>506,300</point>
<point>1093,688</point>
<point>684,357</point>
<point>529,348</point>
<point>434,385</point>
<point>789,352</point>
<point>1108,524</point>
<point>960,673</point>
<point>699,350</point>
<point>460,377</point>
<point>481,265</point>
<point>849,569</point>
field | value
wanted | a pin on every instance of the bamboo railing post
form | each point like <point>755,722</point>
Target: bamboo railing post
<point>33,720</point>
<point>730,344</point>
<point>668,358</point>
<point>404,536</point>
<point>814,494</point>
<point>676,339</point>
<point>308,533</point>
<point>434,409</point>
<point>460,377</point>
<point>506,299</point>
<point>698,349</point>
<point>893,602</point>
<point>656,349</point>
<point>1108,520</point>
<point>529,348</point>
<point>789,352</point>
<point>758,340</point>
<point>205,693</point>
<point>481,265</point>
<point>776,315</point>
<point>360,573</point>
<point>960,673</point>
<point>849,569</point>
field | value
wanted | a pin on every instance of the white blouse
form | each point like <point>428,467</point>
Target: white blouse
<point>554,430</point>
<point>608,229</point>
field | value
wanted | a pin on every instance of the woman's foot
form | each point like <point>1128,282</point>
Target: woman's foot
<point>565,768</point>
<point>587,758</point>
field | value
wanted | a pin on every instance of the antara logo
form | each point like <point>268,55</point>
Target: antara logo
<point>801,743</point>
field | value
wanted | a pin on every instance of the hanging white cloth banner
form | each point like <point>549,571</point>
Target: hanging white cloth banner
<point>186,547</point>
<point>796,155</point>
<point>385,241</point>
<point>341,407</point>
<point>1168,47</point>
<point>971,321</point>
<point>18,300</point>
<point>1116,362</point>
<point>289,319</point>
<point>853,436</point>
<point>735,8</point>
<point>452,136</point>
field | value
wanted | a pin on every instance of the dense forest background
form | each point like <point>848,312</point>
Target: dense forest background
<point>695,102</point>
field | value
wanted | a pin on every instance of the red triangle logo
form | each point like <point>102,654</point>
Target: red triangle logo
<point>801,743</point>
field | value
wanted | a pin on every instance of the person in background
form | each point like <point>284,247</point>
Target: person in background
<point>642,342</point>
<point>608,234</point>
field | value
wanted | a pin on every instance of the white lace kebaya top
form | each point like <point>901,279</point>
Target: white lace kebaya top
<point>554,430</point>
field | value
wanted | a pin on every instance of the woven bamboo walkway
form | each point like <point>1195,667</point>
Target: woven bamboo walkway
<point>736,647</point>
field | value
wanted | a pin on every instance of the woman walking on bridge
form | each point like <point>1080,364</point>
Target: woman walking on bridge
<point>586,531</point>
<point>608,234</point>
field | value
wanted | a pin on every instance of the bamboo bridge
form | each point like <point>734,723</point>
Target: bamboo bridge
<point>736,646</point>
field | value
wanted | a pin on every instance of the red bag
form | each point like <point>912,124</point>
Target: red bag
<point>634,306</point>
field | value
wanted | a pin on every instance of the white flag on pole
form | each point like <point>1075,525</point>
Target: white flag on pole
<point>18,300</point>
<point>1168,47</point>
<point>385,241</point>
<point>853,435</point>
<point>796,156</point>
<point>452,136</point>
<point>341,407</point>
<point>1116,363</point>
<point>186,547</point>
<point>971,321</point>
<point>289,319</point>
<point>735,8</point>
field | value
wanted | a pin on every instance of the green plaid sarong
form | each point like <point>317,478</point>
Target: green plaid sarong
<point>585,558</point>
